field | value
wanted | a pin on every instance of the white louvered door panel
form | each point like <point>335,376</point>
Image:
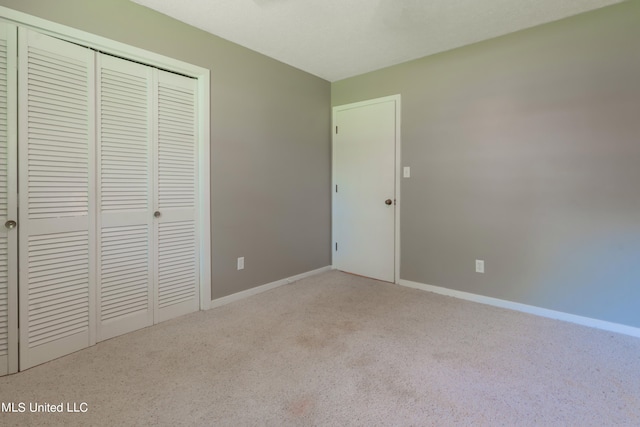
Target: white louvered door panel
<point>8,201</point>
<point>176,230</point>
<point>125,221</point>
<point>57,189</point>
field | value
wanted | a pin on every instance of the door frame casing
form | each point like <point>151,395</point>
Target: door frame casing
<point>12,357</point>
<point>202,75</point>
<point>398,170</point>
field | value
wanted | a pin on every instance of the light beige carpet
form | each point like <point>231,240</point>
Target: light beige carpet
<point>340,350</point>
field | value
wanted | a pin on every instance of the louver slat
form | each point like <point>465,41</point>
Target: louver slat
<point>124,285</point>
<point>4,279</point>
<point>57,81</point>
<point>53,287</point>
<point>176,147</point>
<point>4,299</point>
<point>120,91</point>
<point>176,262</point>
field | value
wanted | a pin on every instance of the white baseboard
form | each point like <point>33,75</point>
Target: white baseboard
<point>552,314</point>
<point>263,288</point>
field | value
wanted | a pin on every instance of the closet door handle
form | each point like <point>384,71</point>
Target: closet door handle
<point>156,214</point>
<point>10,224</point>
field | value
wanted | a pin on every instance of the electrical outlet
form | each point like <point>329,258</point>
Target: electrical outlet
<point>241,263</point>
<point>479,266</point>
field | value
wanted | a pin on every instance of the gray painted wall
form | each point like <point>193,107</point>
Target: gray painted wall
<point>525,152</point>
<point>270,141</point>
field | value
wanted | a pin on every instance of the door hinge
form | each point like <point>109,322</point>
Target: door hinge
<point>336,246</point>
<point>336,130</point>
<point>336,188</point>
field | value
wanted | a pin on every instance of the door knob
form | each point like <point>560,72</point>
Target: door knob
<point>10,224</point>
<point>156,214</point>
<point>388,202</point>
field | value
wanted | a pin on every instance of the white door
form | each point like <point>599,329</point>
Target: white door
<point>8,202</point>
<point>57,189</point>
<point>364,188</point>
<point>176,231</point>
<point>125,196</point>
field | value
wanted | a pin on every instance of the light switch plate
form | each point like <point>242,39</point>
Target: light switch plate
<point>406,172</point>
<point>479,266</point>
<point>241,263</point>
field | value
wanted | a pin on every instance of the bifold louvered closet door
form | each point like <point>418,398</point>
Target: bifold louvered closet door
<point>108,194</point>
<point>176,208</point>
<point>8,202</point>
<point>148,267</point>
<point>125,196</point>
<point>57,189</point>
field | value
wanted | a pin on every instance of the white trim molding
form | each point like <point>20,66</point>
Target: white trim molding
<point>218,302</point>
<point>538,311</point>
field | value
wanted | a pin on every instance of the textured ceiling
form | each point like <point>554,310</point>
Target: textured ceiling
<point>335,39</point>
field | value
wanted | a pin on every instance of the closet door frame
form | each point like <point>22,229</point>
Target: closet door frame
<point>10,361</point>
<point>202,75</point>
